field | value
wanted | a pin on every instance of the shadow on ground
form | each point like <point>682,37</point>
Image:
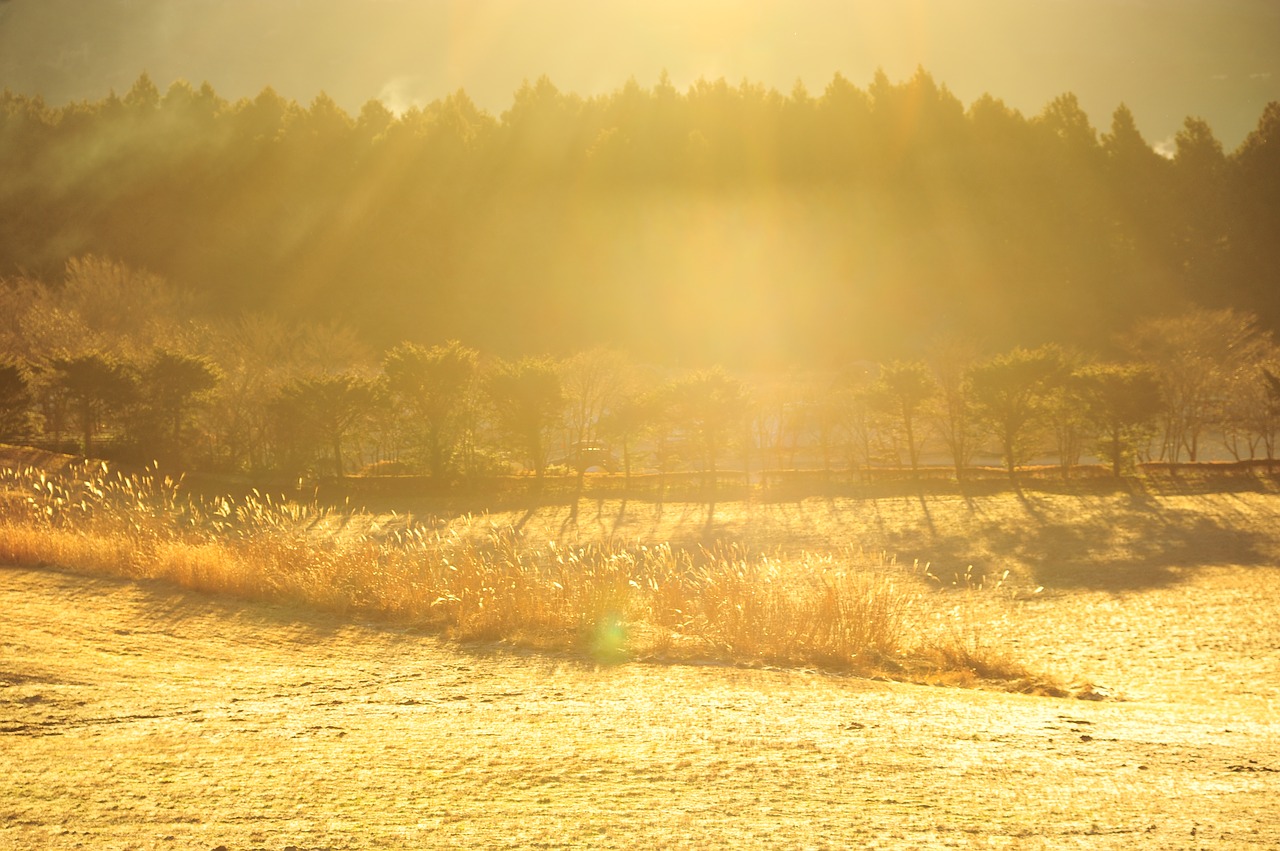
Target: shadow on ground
<point>1101,534</point>
<point>1128,539</point>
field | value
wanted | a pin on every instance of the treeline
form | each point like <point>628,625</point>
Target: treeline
<point>111,363</point>
<point>721,223</point>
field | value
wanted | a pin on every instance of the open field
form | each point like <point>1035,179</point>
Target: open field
<point>135,715</point>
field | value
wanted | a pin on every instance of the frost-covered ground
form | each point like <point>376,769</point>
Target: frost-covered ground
<point>134,716</point>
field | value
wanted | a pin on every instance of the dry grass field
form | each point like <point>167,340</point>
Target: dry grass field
<point>135,714</point>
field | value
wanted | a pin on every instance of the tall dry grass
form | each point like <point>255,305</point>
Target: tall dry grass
<point>842,611</point>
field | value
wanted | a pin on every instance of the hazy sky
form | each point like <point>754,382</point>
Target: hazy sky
<point>1218,59</point>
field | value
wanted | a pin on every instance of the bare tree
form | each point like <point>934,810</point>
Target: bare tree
<point>1194,357</point>
<point>864,417</point>
<point>952,411</point>
<point>256,357</point>
<point>1249,415</point>
<point>1065,409</point>
<point>592,382</point>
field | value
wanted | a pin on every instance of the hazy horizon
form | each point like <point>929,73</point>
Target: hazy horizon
<point>1166,61</point>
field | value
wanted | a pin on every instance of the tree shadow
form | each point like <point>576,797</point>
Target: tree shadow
<point>621,516</point>
<point>709,525</point>
<point>1066,556</point>
<point>928,516</point>
<point>570,523</point>
<point>1028,504</point>
<point>1118,546</point>
<point>1099,533</point>
<point>708,535</point>
<point>1140,497</point>
<point>531,510</point>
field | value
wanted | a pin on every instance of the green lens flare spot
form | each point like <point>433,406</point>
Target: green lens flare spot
<point>609,640</point>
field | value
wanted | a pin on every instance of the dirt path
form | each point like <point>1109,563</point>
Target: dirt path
<point>132,716</point>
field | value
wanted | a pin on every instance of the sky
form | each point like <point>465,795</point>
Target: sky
<point>1165,59</point>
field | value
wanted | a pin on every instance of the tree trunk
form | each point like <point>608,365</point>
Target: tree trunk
<point>535,450</point>
<point>337,454</point>
<point>86,427</point>
<point>911,446</point>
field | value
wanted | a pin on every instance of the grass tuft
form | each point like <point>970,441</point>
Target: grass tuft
<point>837,611</point>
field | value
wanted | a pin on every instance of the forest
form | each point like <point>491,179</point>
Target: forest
<point>721,278</point>
<point>725,223</point>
